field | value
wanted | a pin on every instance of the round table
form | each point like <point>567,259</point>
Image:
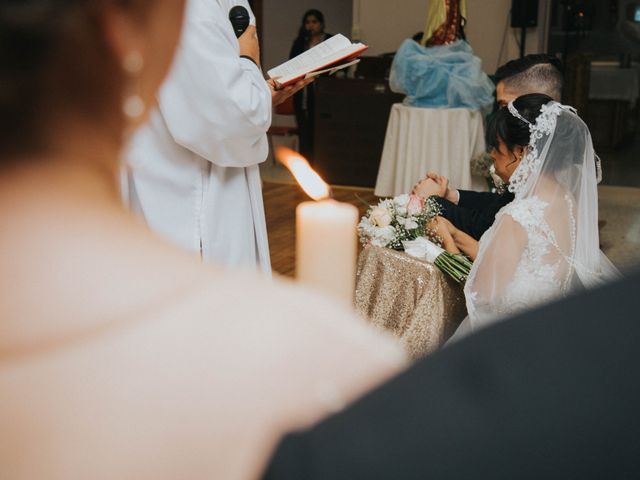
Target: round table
<point>418,140</point>
<point>409,298</point>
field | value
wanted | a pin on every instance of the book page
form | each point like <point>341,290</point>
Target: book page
<point>335,47</point>
<point>331,70</point>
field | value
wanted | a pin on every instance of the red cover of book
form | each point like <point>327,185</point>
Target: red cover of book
<point>330,55</point>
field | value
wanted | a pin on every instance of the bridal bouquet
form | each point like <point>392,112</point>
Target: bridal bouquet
<point>402,223</point>
<point>456,265</point>
<point>395,220</point>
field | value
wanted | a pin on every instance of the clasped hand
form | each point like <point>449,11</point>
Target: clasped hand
<point>453,240</point>
<point>432,184</point>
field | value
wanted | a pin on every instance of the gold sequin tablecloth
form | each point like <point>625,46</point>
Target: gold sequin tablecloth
<point>408,297</point>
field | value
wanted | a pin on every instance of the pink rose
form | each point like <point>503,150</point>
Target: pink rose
<point>415,205</point>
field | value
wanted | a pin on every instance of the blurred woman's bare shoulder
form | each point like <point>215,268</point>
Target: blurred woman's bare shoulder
<point>89,280</point>
<point>179,350</point>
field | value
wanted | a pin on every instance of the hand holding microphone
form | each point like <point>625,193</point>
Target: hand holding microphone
<point>247,35</point>
<point>239,18</point>
<point>249,46</point>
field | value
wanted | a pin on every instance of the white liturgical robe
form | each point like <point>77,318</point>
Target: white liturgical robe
<point>193,169</point>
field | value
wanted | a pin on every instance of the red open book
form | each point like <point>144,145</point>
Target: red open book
<point>331,55</point>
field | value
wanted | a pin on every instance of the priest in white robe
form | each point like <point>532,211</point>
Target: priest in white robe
<point>193,170</point>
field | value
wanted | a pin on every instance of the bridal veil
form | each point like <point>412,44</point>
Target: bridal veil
<point>545,243</point>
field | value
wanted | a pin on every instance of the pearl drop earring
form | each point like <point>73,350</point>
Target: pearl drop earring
<point>133,105</point>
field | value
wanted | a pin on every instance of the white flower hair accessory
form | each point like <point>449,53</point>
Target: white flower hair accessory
<point>545,125</point>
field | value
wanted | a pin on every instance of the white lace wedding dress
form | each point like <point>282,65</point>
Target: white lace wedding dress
<point>545,243</point>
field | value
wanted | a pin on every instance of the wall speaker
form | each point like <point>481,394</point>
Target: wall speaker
<point>524,13</point>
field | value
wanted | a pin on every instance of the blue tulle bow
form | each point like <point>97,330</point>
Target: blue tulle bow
<point>447,76</point>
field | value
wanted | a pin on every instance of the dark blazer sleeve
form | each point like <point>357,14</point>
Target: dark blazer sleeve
<point>475,211</point>
<point>476,200</point>
<point>527,398</point>
<point>472,221</point>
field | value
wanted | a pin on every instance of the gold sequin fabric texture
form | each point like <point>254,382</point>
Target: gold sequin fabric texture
<point>410,298</point>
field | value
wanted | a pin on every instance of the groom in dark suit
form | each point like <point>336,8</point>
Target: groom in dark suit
<point>474,212</point>
<point>550,394</point>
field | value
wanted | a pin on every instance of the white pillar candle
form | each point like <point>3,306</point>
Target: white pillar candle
<point>326,246</point>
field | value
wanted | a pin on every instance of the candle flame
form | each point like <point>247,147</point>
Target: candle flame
<point>307,178</point>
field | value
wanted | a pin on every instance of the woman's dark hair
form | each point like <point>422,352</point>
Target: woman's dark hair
<point>302,33</point>
<point>54,58</point>
<point>505,127</point>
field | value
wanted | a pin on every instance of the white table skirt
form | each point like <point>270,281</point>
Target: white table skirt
<point>419,140</point>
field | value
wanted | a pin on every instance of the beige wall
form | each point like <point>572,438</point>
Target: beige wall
<point>383,24</point>
<point>486,32</point>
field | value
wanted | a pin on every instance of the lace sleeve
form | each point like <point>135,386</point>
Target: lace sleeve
<point>499,255</point>
<point>545,243</point>
<point>517,266</point>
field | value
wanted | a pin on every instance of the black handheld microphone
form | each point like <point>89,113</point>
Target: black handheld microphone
<point>239,18</point>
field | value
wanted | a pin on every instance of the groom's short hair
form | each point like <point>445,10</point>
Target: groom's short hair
<point>536,73</point>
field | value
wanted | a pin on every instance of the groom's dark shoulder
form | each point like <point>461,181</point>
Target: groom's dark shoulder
<point>483,200</point>
<point>552,394</point>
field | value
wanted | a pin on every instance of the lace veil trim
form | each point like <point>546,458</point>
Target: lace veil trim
<point>545,125</point>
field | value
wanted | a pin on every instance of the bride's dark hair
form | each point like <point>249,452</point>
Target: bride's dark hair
<point>54,59</point>
<point>505,127</point>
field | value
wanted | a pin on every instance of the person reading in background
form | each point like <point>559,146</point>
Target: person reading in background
<point>122,356</point>
<point>311,33</point>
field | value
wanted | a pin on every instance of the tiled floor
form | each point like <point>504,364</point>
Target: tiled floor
<point>620,234</point>
<point>619,196</point>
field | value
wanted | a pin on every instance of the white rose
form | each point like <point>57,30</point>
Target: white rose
<point>401,200</point>
<point>380,216</point>
<point>388,234</point>
<point>386,203</point>
<point>410,225</point>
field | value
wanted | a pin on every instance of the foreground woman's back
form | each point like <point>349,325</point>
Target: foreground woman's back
<point>119,356</point>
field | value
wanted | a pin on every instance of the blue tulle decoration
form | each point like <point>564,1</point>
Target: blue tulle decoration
<point>447,76</point>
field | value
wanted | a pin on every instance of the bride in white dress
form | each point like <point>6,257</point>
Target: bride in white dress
<point>544,244</point>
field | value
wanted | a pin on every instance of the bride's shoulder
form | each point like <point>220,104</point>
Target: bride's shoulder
<point>527,211</point>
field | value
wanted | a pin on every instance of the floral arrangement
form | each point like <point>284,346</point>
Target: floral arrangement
<point>394,220</point>
<point>402,223</point>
